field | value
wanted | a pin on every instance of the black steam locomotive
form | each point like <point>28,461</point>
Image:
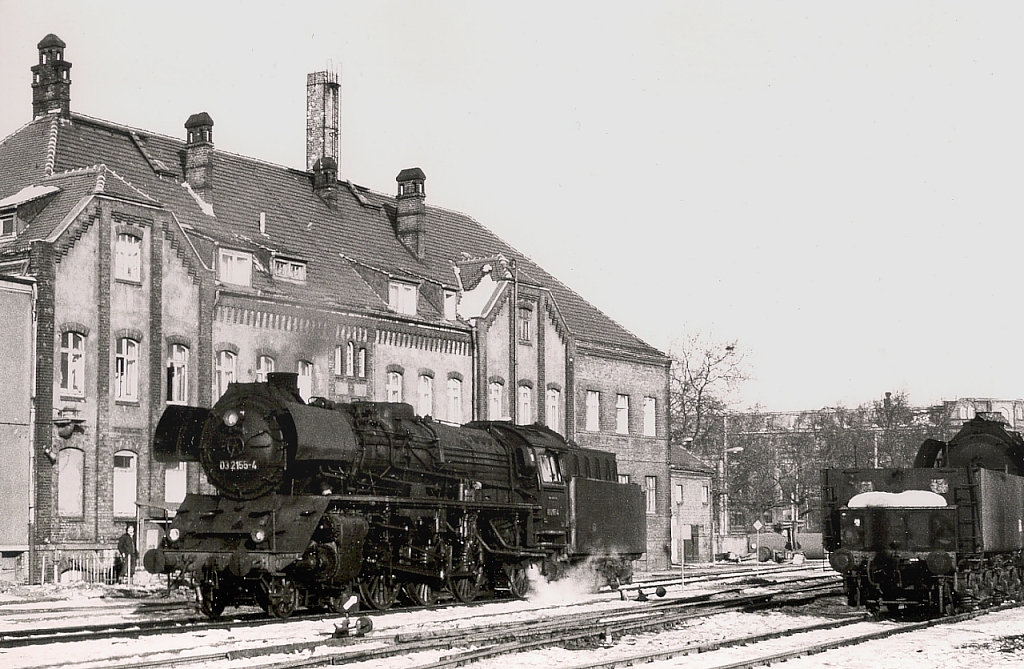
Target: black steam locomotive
<point>947,534</point>
<point>321,501</point>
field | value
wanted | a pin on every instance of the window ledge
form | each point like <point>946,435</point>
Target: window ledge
<point>72,398</point>
<point>128,403</point>
<point>129,282</point>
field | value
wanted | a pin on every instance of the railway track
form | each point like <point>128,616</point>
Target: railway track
<point>487,638</point>
<point>142,624</point>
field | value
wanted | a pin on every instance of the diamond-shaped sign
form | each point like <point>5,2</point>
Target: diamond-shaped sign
<point>758,525</point>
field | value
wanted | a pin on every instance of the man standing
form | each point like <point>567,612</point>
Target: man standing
<point>128,553</point>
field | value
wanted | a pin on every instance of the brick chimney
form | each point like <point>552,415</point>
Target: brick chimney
<point>51,79</point>
<point>325,177</point>
<point>323,97</point>
<point>198,155</point>
<point>412,211</point>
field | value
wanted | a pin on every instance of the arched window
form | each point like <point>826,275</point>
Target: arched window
<point>177,374</point>
<point>70,482</point>
<point>225,371</point>
<point>350,359</point>
<point>455,400</point>
<point>361,363</point>
<point>305,370</point>
<point>553,401</point>
<point>264,366</point>
<point>425,398</point>
<point>126,480</point>
<point>495,401</point>
<point>525,405</point>
<point>393,387</point>
<point>126,370</point>
<point>72,363</point>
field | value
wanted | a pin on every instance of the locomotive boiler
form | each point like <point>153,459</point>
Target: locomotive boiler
<point>945,535</point>
<point>316,502</point>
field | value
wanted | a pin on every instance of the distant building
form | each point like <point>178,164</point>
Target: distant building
<point>164,269</point>
<point>692,508</point>
<point>791,435</point>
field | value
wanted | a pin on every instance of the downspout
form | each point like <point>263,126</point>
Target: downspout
<point>32,442</point>
<point>514,341</point>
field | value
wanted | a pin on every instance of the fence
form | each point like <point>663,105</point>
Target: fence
<point>79,567</point>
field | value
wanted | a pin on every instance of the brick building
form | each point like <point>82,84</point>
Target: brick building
<point>164,269</point>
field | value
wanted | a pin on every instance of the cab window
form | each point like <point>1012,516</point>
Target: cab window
<point>548,464</point>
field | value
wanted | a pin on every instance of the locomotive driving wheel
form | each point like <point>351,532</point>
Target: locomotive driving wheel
<point>518,580</point>
<point>379,591</point>
<point>467,576</point>
<point>421,594</point>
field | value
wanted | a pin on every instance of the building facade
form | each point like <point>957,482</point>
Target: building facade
<point>692,508</point>
<point>164,269</point>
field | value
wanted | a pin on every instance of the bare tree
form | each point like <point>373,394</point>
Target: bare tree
<point>705,373</point>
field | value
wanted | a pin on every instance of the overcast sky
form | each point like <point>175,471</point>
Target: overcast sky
<point>834,185</point>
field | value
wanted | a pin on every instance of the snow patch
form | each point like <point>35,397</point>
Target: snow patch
<point>907,498</point>
<point>203,204</point>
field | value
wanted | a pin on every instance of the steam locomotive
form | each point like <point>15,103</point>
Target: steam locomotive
<point>321,501</point>
<point>946,535</point>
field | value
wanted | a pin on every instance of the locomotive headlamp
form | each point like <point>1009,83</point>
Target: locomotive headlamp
<point>231,418</point>
<point>258,535</point>
<point>174,534</point>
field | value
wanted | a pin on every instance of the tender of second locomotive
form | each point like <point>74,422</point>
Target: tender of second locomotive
<point>945,535</point>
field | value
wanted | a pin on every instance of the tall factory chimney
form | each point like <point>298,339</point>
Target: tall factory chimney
<point>323,97</point>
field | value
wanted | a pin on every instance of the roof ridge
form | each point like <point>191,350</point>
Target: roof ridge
<point>142,133</point>
<point>128,183</point>
<point>51,146</point>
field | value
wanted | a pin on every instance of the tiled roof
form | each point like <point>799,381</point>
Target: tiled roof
<point>345,242</point>
<point>685,460</point>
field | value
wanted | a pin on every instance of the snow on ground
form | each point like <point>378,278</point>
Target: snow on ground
<point>994,640</point>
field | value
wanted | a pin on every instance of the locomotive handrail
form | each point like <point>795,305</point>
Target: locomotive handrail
<point>415,502</point>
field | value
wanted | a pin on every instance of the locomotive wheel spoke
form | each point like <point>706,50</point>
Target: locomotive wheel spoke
<point>282,598</point>
<point>378,591</point>
<point>518,580</point>
<point>465,588</point>
<point>421,594</point>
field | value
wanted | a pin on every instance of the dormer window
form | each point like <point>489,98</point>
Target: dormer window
<point>451,303</point>
<point>290,270</point>
<point>234,267</point>
<point>402,298</point>
<point>6,225</point>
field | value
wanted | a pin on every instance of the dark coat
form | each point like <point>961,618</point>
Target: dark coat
<point>126,546</point>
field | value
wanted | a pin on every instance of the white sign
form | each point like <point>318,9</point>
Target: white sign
<point>758,525</point>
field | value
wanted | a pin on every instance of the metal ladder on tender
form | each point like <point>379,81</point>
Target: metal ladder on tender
<point>967,537</point>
